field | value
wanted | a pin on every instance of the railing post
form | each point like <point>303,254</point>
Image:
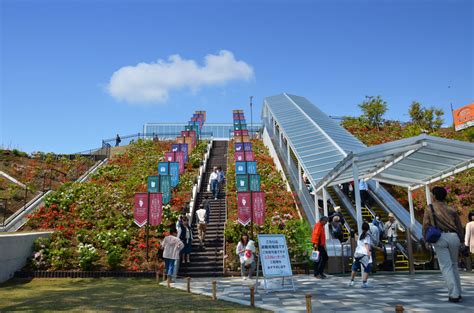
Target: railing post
<point>410,251</point>
<point>252,296</point>
<point>214,290</point>
<point>188,284</point>
<point>309,306</point>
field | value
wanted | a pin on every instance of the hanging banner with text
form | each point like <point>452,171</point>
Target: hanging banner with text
<point>160,183</point>
<point>243,182</point>
<point>170,168</point>
<point>258,202</point>
<point>274,256</point>
<point>244,208</point>
<point>176,156</point>
<point>140,209</point>
<point>156,208</point>
<point>181,147</point>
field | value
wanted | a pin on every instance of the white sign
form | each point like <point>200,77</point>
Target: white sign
<point>274,256</point>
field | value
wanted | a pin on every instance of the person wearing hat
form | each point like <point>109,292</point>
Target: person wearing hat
<point>391,228</point>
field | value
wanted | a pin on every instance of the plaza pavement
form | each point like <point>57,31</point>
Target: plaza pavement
<point>423,292</point>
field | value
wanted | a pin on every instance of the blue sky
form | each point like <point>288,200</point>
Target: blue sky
<point>58,57</point>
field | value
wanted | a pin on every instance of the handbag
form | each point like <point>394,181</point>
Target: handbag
<point>433,232</point>
<point>314,256</point>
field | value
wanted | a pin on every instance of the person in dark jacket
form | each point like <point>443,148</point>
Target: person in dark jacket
<point>186,235</point>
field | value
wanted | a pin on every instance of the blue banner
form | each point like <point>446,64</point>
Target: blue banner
<point>247,146</point>
<point>252,167</point>
<point>181,147</point>
<point>239,146</point>
<point>240,168</point>
<point>174,172</point>
<point>163,168</point>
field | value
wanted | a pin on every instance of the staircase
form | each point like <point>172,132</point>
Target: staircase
<point>208,262</point>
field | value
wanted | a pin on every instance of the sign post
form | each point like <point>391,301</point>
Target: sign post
<point>275,260</point>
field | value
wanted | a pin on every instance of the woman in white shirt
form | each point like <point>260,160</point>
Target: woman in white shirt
<point>362,257</point>
<point>246,250</point>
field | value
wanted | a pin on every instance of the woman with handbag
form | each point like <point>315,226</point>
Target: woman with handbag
<point>443,229</point>
<point>246,250</point>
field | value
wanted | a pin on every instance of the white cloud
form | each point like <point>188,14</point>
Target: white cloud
<point>152,82</point>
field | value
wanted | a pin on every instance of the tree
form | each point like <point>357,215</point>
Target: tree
<point>373,109</point>
<point>426,119</point>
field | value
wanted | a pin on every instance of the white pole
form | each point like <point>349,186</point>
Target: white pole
<point>300,177</point>
<point>355,174</point>
<point>428,194</point>
<point>288,152</point>
<point>325,207</point>
<point>316,206</point>
<point>412,211</point>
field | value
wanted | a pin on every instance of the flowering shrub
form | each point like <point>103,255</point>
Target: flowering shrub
<point>281,213</point>
<point>99,214</point>
<point>87,255</point>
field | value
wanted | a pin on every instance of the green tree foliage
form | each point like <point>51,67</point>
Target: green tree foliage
<point>373,109</point>
<point>427,119</point>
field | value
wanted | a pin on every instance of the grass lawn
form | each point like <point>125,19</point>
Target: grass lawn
<point>104,294</point>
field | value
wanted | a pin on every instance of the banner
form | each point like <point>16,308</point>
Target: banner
<point>153,183</point>
<point>239,156</point>
<point>242,182</point>
<point>464,117</point>
<point>247,146</point>
<point>156,208</point>
<point>244,208</point>
<point>181,147</point>
<point>243,132</point>
<point>176,156</point>
<point>165,188</point>
<point>249,156</point>
<point>239,146</point>
<point>240,168</point>
<point>252,167</point>
<point>240,127</point>
<point>258,202</point>
<point>140,208</point>
<point>274,256</point>
<point>254,182</point>
<point>174,172</point>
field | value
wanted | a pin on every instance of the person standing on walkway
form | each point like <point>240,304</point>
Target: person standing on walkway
<point>447,220</point>
<point>364,192</point>
<point>469,238</point>
<point>171,246</point>
<point>246,250</point>
<point>391,228</point>
<point>202,225</point>
<point>186,236</point>
<point>362,257</point>
<point>318,238</point>
<point>117,140</point>
<point>214,183</point>
<point>336,228</point>
<point>220,180</point>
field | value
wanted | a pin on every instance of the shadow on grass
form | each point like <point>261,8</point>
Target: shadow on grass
<point>104,294</point>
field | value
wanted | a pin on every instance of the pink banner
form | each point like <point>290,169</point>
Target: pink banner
<point>176,156</point>
<point>169,156</point>
<point>140,209</point>
<point>244,208</point>
<point>156,208</point>
<point>249,156</point>
<point>258,199</point>
<point>239,156</point>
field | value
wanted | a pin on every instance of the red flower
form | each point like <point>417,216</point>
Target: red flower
<point>142,246</point>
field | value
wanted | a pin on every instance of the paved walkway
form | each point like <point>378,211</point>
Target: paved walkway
<point>420,293</point>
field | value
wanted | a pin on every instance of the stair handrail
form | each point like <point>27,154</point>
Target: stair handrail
<point>197,186</point>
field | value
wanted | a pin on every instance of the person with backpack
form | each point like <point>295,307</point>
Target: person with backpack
<point>202,225</point>
<point>171,246</point>
<point>362,257</point>
<point>443,229</point>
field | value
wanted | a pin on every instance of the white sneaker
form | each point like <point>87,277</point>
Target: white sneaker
<point>351,283</point>
<point>245,278</point>
<point>366,285</point>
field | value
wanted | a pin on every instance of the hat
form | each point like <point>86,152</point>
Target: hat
<point>337,209</point>
<point>391,215</point>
